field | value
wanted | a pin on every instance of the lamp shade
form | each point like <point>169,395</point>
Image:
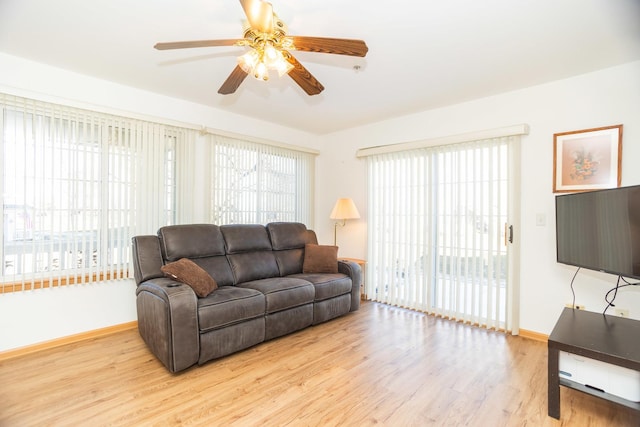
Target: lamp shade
<point>344,209</point>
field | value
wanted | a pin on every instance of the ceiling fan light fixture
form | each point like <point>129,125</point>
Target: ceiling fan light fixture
<point>278,62</point>
<point>261,72</point>
<point>263,57</point>
<point>283,67</point>
<point>271,54</point>
<point>249,61</point>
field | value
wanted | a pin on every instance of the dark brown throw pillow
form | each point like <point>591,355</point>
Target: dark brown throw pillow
<point>320,259</point>
<point>190,273</point>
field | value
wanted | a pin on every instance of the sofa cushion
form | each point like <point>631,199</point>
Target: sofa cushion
<point>289,261</point>
<point>218,267</point>
<point>190,241</point>
<point>241,238</point>
<point>229,305</point>
<point>188,272</point>
<point>287,235</point>
<point>320,259</point>
<point>282,293</point>
<point>327,285</point>
<point>253,266</point>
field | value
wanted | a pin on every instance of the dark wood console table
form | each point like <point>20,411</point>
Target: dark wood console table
<point>611,339</point>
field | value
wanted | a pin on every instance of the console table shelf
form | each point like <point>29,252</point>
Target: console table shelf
<point>610,339</point>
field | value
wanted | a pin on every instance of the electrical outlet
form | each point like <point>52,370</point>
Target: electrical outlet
<point>622,312</point>
<point>577,306</point>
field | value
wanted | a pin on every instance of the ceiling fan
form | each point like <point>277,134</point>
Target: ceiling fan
<point>270,46</point>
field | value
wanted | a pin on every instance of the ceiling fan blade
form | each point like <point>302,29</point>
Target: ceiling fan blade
<point>349,47</point>
<point>195,43</point>
<point>232,83</point>
<point>303,77</point>
<point>259,13</point>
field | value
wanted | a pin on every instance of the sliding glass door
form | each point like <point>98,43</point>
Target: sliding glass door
<point>439,231</point>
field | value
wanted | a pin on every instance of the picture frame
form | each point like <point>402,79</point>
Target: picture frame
<point>588,159</point>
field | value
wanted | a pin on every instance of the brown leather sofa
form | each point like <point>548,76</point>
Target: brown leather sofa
<point>262,291</point>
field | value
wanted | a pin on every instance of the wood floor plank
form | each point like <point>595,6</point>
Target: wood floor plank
<point>382,366</point>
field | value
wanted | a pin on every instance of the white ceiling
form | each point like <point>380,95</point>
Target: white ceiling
<point>422,54</point>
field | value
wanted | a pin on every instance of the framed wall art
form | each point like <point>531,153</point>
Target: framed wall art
<point>588,159</point>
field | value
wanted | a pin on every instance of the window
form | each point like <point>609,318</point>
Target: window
<point>76,185</point>
<point>257,183</point>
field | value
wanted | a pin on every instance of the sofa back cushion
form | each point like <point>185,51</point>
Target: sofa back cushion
<point>249,252</point>
<point>190,241</point>
<point>287,235</point>
<point>288,240</point>
<point>201,243</point>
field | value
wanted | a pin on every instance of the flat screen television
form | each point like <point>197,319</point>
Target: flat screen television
<point>600,230</point>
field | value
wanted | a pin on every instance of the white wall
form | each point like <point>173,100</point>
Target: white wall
<point>31,317</point>
<point>606,97</point>
<point>45,314</point>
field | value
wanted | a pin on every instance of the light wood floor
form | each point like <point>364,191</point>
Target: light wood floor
<point>379,366</point>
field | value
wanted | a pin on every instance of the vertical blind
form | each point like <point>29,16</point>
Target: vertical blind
<point>258,183</point>
<point>76,185</point>
<point>437,219</point>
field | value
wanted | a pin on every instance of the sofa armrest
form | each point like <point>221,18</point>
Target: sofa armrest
<point>354,271</point>
<point>168,322</point>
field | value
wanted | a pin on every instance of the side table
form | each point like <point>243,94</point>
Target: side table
<point>610,339</point>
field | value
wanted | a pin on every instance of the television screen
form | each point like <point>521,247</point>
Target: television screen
<point>600,230</point>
